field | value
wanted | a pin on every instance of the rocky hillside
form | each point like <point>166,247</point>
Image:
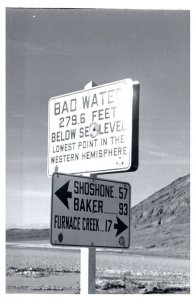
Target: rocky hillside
<point>161,223</point>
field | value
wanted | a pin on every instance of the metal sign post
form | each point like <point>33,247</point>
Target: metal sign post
<point>88,255</point>
<point>87,271</point>
<point>88,268</point>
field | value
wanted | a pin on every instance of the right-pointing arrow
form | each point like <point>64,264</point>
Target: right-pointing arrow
<point>120,226</point>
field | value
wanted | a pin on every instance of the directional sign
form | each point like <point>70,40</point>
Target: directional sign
<point>90,212</point>
<point>94,130</point>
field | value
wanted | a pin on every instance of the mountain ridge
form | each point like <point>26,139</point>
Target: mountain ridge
<point>161,223</point>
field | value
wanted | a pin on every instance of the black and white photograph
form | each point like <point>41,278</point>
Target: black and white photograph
<point>97,151</point>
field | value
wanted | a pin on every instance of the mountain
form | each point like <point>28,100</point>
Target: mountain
<point>24,234</point>
<point>161,223</point>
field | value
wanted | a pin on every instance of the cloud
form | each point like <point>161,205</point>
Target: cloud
<point>156,153</point>
<point>170,162</point>
<point>26,193</point>
<point>27,159</point>
<point>21,45</point>
<point>152,156</point>
<point>31,120</point>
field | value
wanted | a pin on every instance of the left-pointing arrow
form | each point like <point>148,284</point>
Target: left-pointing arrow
<point>63,194</point>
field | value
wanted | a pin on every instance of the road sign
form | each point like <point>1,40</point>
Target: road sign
<point>94,130</point>
<point>90,212</point>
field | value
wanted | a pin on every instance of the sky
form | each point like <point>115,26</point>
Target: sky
<point>50,52</point>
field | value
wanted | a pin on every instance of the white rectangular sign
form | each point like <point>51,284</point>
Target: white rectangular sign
<point>90,212</point>
<point>91,131</point>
